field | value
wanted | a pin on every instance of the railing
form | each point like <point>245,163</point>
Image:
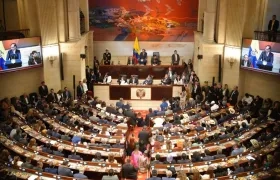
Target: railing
<point>267,36</point>
<point>14,34</point>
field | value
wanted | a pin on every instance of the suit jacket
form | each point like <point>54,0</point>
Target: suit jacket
<point>166,81</point>
<point>234,96</point>
<point>105,177</point>
<point>111,110</point>
<point>167,178</point>
<point>24,101</point>
<point>74,156</point>
<point>51,170</point>
<point>174,61</point>
<point>80,176</point>
<point>144,136</point>
<point>117,146</point>
<point>11,55</point>
<point>52,98</point>
<point>148,82</point>
<point>208,158</point>
<point>58,153</point>
<point>154,178</point>
<point>143,55</point>
<point>80,90</point>
<point>129,171</point>
<point>264,57</point>
<point>65,137</point>
<point>64,171</point>
<point>275,25</point>
<point>35,60</point>
<point>218,156</point>
<point>67,95</point>
<point>27,165</point>
<point>130,62</point>
<point>249,63</point>
<point>135,81</point>
<point>43,91</point>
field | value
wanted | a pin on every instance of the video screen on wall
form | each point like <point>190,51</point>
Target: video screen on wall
<point>19,54</point>
<point>262,56</point>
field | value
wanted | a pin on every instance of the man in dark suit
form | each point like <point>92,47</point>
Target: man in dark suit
<point>43,90</point>
<point>266,58</point>
<point>143,57</point>
<point>273,26</point>
<point>118,144</point>
<point>59,151</point>
<point>133,80</point>
<point>129,171</point>
<point>130,61</point>
<point>144,135</point>
<point>74,156</point>
<point>63,170</point>
<point>246,62</point>
<point>207,156</point>
<point>175,59</point>
<point>107,57</point>
<point>52,97</point>
<point>196,90</point>
<point>80,90</point>
<point>233,96</point>
<point>110,176</point>
<point>148,116</point>
<point>219,154</point>
<point>154,175</point>
<point>25,100</point>
<point>111,109</point>
<point>51,168</point>
<point>34,58</point>
<point>66,94</point>
<point>155,61</point>
<point>166,80</point>
<point>13,58</point>
<point>148,80</point>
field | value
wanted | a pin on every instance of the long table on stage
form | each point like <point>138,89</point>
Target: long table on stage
<point>140,96</point>
<point>158,72</point>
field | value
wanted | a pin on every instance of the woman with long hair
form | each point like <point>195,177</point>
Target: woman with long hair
<point>135,156</point>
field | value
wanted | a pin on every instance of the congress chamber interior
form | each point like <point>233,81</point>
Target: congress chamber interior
<point>139,89</point>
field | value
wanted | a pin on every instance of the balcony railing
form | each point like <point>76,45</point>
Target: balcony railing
<point>14,34</point>
<point>267,36</point>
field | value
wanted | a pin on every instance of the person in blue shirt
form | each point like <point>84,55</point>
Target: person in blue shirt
<point>76,139</point>
<point>163,105</point>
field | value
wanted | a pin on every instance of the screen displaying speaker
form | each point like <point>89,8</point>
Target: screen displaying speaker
<point>19,54</point>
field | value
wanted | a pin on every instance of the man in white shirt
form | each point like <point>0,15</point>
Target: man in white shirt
<point>247,99</point>
<point>107,79</point>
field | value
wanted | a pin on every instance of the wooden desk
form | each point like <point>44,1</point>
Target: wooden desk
<point>142,71</point>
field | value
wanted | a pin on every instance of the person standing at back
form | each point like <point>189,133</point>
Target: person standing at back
<point>273,26</point>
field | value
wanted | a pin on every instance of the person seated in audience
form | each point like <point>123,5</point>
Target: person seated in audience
<point>66,95</point>
<point>111,158</point>
<point>56,134</point>
<point>170,74</point>
<point>104,143</point>
<point>197,142</point>
<point>118,144</point>
<point>155,61</point>
<point>219,154</point>
<point>178,80</point>
<point>97,158</point>
<point>148,80</point>
<point>104,131</point>
<point>107,78</point>
<point>59,151</point>
<point>143,57</point>
<point>47,148</point>
<point>38,167</point>
<point>133,80</point>
<point>130,61</point>
<point>5,156</point>
<point>237,149</point>
<point>76,138</point>
<point>157,160</point>
<point>129,171</point>
<point>196,157</point>
<point>247,99</point>
<point>27,164</point>
<point>51,168</point>
<point>32,143</point>
<point>65,137</point>
<point>110,176</point>
<point>80,175</point>
<point>119,104</point>
<point>220,171</point>
<point>184,159</point>
<point>63,169</point>
<point>122,80</point>
<point>25,100</point>
<point>237,168</point>
<point>74,156</point>
<point>154,175</point>
<point>52,97</point>
<point>107,57</point>
<point>274,112</point>
<point>166,80</point>
<point>169,159</point>
<point>207,156</point>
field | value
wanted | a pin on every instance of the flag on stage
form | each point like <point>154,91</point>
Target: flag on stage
<point>254,50</point>
<point>136,51</point>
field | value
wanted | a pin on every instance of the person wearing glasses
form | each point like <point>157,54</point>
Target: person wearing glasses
<point>266,58</point>
<point>13,58</point>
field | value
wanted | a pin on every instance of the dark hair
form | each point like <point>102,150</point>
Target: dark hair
<point>154,172</point>
<point>111,172</point>
<point>268,47</point>
<point>14,44</point>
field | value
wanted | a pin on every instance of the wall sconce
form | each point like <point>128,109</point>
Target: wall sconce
<point>231,61</point>
<point>83,56</point>
<point>51,59</point>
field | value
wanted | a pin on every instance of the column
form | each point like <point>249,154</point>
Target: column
<point>61,10</point>
<point>74,20</point>
<point>209,21</point>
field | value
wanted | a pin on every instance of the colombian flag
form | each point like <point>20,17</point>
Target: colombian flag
<point>254,52</point>
<point>136,51</point>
